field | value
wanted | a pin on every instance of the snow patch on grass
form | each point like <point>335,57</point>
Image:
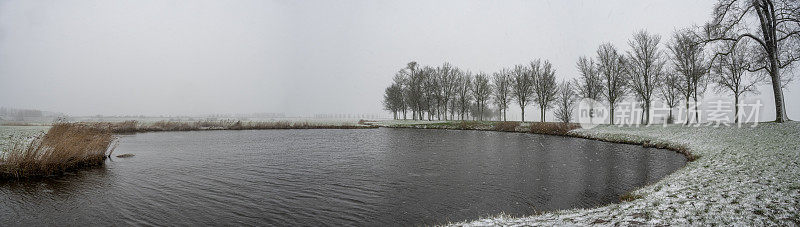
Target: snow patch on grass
<point>7,133</point>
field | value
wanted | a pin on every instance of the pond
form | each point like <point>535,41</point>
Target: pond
<point>335,177</point>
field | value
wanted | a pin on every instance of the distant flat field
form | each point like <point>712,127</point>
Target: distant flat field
<point>6,132</point>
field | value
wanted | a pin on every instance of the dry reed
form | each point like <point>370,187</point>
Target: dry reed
<point>552,128</point>
<point>65,146</point>
<point>506,126</point>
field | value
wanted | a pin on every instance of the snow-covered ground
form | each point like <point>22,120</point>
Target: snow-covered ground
<point>743,176</point>
<point>7,133</point>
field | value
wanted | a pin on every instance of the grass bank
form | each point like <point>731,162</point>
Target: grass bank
<point>160,126</point>
<point>549,128</point>
<point>12,123</point>
<point>63,147</point>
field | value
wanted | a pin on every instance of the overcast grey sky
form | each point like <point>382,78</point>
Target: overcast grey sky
<point>297,57</point>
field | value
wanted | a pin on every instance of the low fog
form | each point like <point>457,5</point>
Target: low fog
<point>295,57</point>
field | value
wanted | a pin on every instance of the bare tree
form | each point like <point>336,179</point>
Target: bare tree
<point>415,93</point>
<point>481,91</point>
<point>589,84</point>
<point>435,90</point>
<point>521,87</point>
<point>611,65</point>
<point>729,75</point>
<point>431,90</point>
<point>392,99</point>
<point>544,85</point>
<point>775,33</point>
<point>463,94</point>
<point>387,101</point>
<point>689,60</point>
<point>401,79</point>
<point>565,101</point>
<point>457,80</point>
<point>446,75</point>
<point>502,91</point>
<point>645,69</point>
<point>670,93</point>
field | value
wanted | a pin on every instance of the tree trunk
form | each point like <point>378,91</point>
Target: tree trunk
<point>736,108</point>
<point>670,120</point>
<point>453,110</point>
<point>481,110</point>
<point>688,117</point>
<point>766,14</point>
<point>647,118</point>
<point>696,113</point>
<point>777,92</point>
<point>542,110</point>
<point>523,113</point>
<point>641,117</point>
<point>611,113</point>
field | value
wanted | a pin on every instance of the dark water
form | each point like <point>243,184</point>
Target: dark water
<point>335,177</point>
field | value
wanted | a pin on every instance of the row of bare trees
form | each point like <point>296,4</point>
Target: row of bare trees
<point>746,43</point>
<point>680,70</point>
<point>434,92</point>
<point>643,73</point>
<point>442,92</point>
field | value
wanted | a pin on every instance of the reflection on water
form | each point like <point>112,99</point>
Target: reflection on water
<point>335,177</point>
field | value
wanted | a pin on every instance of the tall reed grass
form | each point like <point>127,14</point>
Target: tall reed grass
<point>63,147</point>
<point>552,128</point>
<point>506,126</point>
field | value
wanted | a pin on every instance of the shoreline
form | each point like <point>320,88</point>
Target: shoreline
<point>132,127</point>
<point>735,178</point>
<point>530,127</point>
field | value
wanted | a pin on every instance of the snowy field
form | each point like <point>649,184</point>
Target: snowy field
<point>7,132</point>
<point>743,176</point>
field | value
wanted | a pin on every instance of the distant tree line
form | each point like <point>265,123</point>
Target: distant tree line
<point>11,114</point>
<point>745,44</point>
<point>448,92</point>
